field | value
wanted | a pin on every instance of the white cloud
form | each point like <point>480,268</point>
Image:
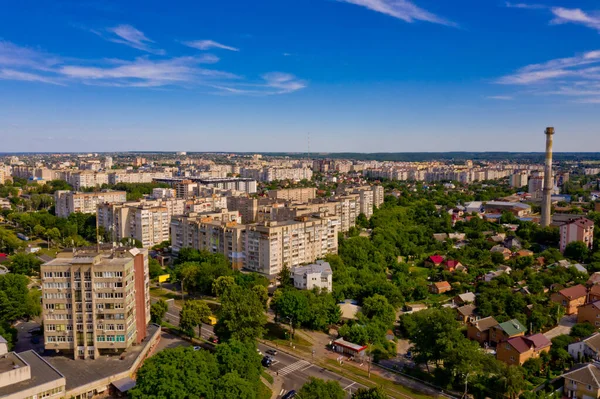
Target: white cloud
<point>575,16</point>
<point>209,44</point>
<point>23,64</point>
<point>577,76</point>
<point>130,36</point>
<point>401,9</point>
<point>524,6</point>
<point>503,98</point>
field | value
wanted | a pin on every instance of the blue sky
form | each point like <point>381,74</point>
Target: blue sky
<point>239,75</point>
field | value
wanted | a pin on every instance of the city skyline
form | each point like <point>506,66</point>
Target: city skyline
<point>90,76</point>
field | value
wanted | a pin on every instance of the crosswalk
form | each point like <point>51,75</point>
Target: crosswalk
<point>300,364</point>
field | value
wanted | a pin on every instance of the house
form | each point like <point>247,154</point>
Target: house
<point>570,298</point>
<point>582,382</point>
<point>500,271</point>
<point>581,229</point>
<point>317,275</point>
<point>440,287</point>
<point>498,238</point>
<point>589,312</point>
<point>517,350</point>
<point>513,243</point>
<point>594,279</point>
<point>502,250</point>
<point>594,293</point>
<point>467,313</point>
<point>457,236</point>
<point>523,252</point>
<point>452,265</point>
<point>588,347</point>
<point>479,330</point>
<point>464,299</point>
<point>505,331</point>
<point>434,261</point>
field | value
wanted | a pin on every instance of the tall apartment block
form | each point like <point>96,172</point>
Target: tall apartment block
<point>246,206</point>
<point>68,202</point>
<point>370,196</point>
<point>519,179</point>
<point>294,194</point>
<point>95,302</point>
<point>80,180</point>
<point>261,247</point>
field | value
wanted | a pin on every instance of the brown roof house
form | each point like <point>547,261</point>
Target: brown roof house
<point>479,330</point>
<point>467,313</point>
<point>440,287</point>
<point>594,293</point>
<point>464,299</point>
<point>517,350</point>
<point>589,312</point>
<point>594,279</point>
<point>570,298</point>
<point>502,250</point>
<point>582,382</point>
<point>589,347</point>
<point>504,331</point>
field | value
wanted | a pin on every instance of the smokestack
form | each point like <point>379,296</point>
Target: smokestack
<point>548,180</point>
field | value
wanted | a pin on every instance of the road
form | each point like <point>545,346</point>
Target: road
<point>293,371</point>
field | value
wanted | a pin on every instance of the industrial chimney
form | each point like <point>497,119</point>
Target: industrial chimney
<point>548,180</point>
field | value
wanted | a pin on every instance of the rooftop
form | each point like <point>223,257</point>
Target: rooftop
<point>41,373</point>
<point>574,292</point>
<point>319,267</point>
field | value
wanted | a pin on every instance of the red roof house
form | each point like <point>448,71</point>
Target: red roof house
<point>434,260</point>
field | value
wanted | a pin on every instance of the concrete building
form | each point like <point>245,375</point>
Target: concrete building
<point>68,202</point>
<point>216,233</point>
<point>161,193</point>
<point>369,197</point>
<point>317,275</point>
<point>582,382</point>
<point>27,375</point>
<point>581,229</point>
<point>95,302</point>
<point>246,206</point>
<point>84,179</point>
<point>270,245</point>
<point>519,180</point>
<point>294,194</point>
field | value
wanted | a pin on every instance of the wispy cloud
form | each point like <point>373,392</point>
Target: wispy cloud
<point>502,98</point>
<point>524,6</point>
<point>208,44</point>
<point>129,36</point>
<point>577,76</point>
<point>24,64</point>
<point>401,9</point>
<point>575,16</point>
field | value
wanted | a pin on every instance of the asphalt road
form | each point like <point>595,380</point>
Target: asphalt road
<point>293,371</point>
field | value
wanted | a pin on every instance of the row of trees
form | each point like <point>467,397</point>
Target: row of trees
<point>16,302</point>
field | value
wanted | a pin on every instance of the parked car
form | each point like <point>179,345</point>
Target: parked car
<point>272,352</point>
<point>214,339</point>
<point>197,348</point>
<point>291,394</point>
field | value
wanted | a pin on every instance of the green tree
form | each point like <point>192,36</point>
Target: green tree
<point>232,385</point>
<point>222,284</point>
<point>377,307</point>
<point>23,263</point>
<point>192,315</point>
<point>154,268</point>
<point>577,250</point>
<point>513,381</point>
<point>318,389</point>
<point>158,310</point>
<point>373,393</point>
<point>239,357</point>
<point>582,330</point>
<point>285,277</point>
<point>263,294</point>
<point>292,307</point>
<point>241,316</point>
<point>177,373</point>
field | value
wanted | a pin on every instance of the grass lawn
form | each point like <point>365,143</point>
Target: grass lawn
<point>361,375</point>
<point>419,271</point>
<point>279,335</point>
<point>164,294</point>
<point>267,376</point>
<point>263,391</point>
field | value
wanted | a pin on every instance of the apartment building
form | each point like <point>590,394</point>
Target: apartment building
<point>581,229</point>
<point>68,202</point>
<point>84,179</point>
<point>317,275</point>
<point>122,176</point>
<point>95,302</point>
<point>246,206</point>
<point>216,233</point>
<point>5,173</point>
<point>270,245</point>
<point>519,179</point>
<point>186,189</point>
<point>160,193</point>
<point>369,197</point>
<point>294,194</point>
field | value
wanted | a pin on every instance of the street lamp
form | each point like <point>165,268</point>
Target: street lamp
<point>291,328</point>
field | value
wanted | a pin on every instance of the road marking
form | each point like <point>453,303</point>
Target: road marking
<point>281,392</point>
<point>307,367</point>
<point>293,367</point>
<point>348,387</point>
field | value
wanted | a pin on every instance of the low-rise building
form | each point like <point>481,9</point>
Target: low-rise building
<point>588,347</point>
<point>467,314</point>
<point>590,313</point>
<point>28,375</point>
<point>440,287</point>
<point>479,330</point>
<point>317,275</point>
<point>570,298</point>
<point>517,350</point>
<point>504,331</point>
<point>582,382</point>
<point>581,229</point>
